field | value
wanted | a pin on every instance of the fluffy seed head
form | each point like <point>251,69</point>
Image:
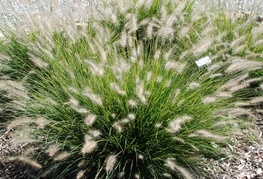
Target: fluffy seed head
<point>158,125</point>
<point>117,89</point>
<point>95,133</point>
<point>61,156</point>
<point>96,69</point>
<point>194,85</point>
<point>52,149</point>
<point>202,46</point>
<point>207,134</point>
<point>175,124</point>
<point>209,99</point>
<point>117,126</point>
<point>256,100</point>
<point>170,163</point>
<point>80,174</point>
<point>137,176</point>
<point>96,99</point>
<point>89,146</point>
<point>90,119</point>
<point>19,122</point>
<point>176,93</point>
<point>243,65</point>
<point>38,62</point>
<point>110,163</point>
<point>73,102</point>
<point>29,162</point>
<point>132,103</point>
<point>41,122</point>
<point>131,116</point>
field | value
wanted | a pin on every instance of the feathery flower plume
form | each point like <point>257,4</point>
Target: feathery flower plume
<point>171,65</point>
<point>239,49</point>
<point>131,25</point>
<point>140,92</point>
<point>175,124</point>
<point>29,162</point>
<point>194,85</point>
<point>131,116</point>
<point>174,65</point>
<point>253,80</point>
<point>159,79</point>
<point>157,54</point>
<point>73,89</point>
<point>234,81</point>
<point>238,41</point>
<point>223,123</point>
<point>41,122</point>
<point>224,94</point>
<point>121,66</point>
<point>140,156</point>
<point>52,149</point>
<point>170,163</point>
<point>158,125</point>
<point>176,93</point>
<point>90,119</point>
<point>149,76</point>
<point>95,69</point>
<point>80,174</point>
<point>132,103</point>
<point>37,61</point>
<point>166,32</point>
<point>179,139</point>
<point>202,46</point>
<point>234,112</point>
<point>207,134</point>
<point>181,67</point>
<point>61,156</point>
<point>238,87</point>
<point>73,102</point>
<point>125,121</point>
<point>258,43</point>
<point>117,89</point>
<point>256,100</point>
<point>93,97</point>
<point>94,133</point>
<point>216,75</point>
<point>89,146</point>
<point>19,122</point>
<point>117,126</point>
<point>110,163</point>
<point>167,175</point>
<point>123,39</point>
<point>81,110</point>
<point>137,176</point>
<point>183,32</point>
<point>209,99</point>
<point>149,31</point>
<point>243,65</point>
<point>168,83</point>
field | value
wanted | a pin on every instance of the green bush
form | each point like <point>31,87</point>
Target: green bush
<point>120,96</point>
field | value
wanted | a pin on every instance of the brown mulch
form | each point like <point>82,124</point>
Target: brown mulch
<point>10,169</point>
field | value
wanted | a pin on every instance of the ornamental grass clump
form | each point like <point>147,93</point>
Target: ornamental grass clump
<point>119,94</point>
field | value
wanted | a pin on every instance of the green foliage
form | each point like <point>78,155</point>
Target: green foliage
<point>118,101</point>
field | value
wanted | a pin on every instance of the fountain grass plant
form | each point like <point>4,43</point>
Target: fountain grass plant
<point>119,95</point>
